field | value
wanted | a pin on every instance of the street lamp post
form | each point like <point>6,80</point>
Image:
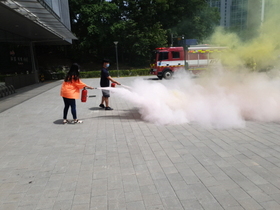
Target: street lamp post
<point>116,45</point>
<point>185,47</point>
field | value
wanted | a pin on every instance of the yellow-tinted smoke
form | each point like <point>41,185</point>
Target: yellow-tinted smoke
<point>220,98</point>
<point>259,52</point>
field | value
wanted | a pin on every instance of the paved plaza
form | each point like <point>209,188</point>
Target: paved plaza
<point>115,160</point>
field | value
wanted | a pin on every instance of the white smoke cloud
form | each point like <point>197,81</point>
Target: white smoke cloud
<point>222,100</point>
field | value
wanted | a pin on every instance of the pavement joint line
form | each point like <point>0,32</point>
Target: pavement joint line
<point>116,160</point>
<point>15,99</point>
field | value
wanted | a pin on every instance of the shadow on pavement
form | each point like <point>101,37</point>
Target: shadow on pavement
<point>95,108</point>
<point>151,78</point>
<point>60,121</point>
<point>126,117</point>
<point>127,114</point>
<point>131,114</point>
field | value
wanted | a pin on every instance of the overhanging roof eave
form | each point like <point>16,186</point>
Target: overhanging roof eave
<point>45,18</point>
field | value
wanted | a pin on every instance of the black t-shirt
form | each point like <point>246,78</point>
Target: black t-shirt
<point>104,82</point>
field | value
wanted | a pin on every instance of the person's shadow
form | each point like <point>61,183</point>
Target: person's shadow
<point>60,122</point>
<point>151,79</point>
<point>95,108</point>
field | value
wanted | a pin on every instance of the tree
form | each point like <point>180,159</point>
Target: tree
<point>92,22</point>
<point>193,18</point>
<point>138,25</point>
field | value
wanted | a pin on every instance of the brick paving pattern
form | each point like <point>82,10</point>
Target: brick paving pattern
<point>115,160</point>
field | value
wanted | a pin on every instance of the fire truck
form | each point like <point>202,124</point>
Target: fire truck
<point>166,60</point>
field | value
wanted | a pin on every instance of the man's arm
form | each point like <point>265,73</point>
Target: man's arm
<point>112,80</point>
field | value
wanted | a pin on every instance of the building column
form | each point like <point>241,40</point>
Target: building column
<point>32,55</point>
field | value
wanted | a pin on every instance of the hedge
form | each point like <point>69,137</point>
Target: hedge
<point>94,74</point>
<point>115,73</point>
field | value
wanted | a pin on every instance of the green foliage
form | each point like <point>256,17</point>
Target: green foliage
<point>138,26</point>
<point>199,25</point>
<point>130,73</point>
<point>116,73</point>
<point>89,74</point>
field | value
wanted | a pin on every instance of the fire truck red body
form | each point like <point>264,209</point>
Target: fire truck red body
<point>197,58</point>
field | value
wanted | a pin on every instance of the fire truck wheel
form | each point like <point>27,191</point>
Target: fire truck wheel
<point>167,74</point>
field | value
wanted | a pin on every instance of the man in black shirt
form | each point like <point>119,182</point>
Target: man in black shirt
<point>105,82</point>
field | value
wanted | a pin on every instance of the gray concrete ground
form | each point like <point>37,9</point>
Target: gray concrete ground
<point>115,160</point>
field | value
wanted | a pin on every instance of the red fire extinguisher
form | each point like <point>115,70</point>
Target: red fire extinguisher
<point>84,95</point>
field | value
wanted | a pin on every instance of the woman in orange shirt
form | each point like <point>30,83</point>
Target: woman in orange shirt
<point>70,90</point>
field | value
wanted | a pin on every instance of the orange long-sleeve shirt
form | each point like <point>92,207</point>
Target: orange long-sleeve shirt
<point>72,89</point>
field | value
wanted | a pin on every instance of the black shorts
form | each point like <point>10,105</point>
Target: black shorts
<point>106,93</point>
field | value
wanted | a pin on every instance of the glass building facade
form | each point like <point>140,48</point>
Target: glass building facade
<point>239,14</point>
<point>24,25</point>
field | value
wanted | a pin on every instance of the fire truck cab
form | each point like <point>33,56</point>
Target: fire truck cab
<point>195,59</point>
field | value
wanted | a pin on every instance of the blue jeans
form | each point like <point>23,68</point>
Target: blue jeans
<point>69,102</point>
